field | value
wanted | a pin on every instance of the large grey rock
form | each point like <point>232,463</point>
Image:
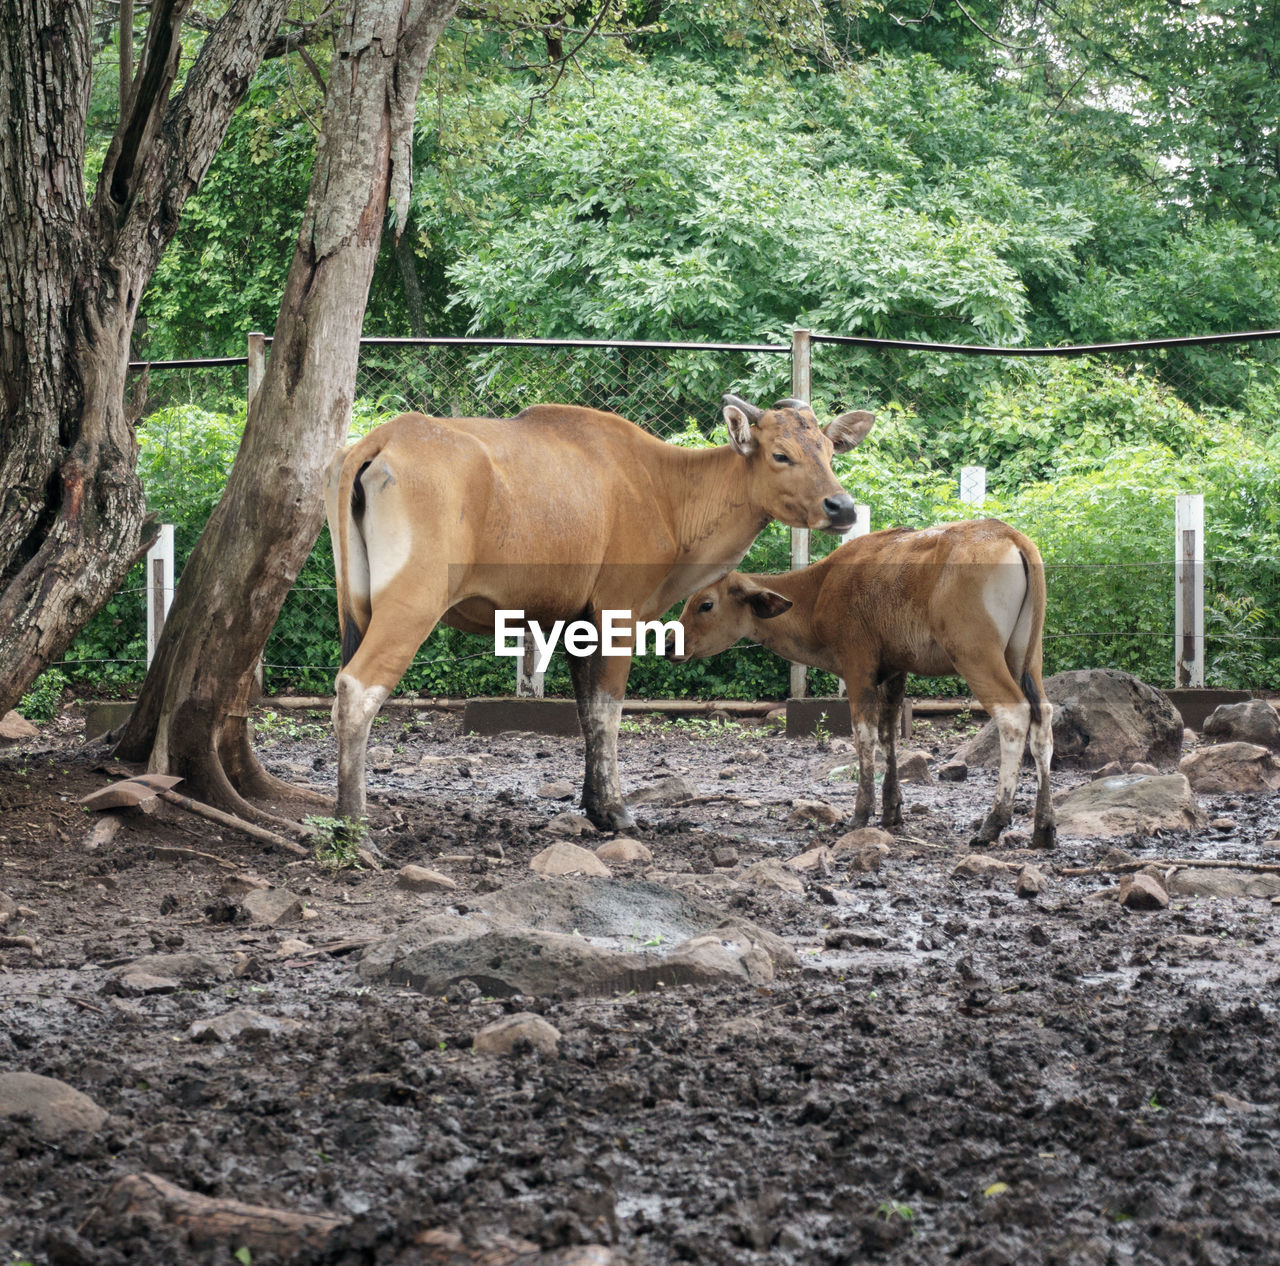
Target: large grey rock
<point>55,1109</point>
<point>1253,721</point>
<point>1131,804</point>
<point>1196,882</point>
<point>193,970</point>
<point>665,791</point>
<point>1099,715</point>
<point>16,729</point>
<point>1232,767</point>
<point>563,858</point>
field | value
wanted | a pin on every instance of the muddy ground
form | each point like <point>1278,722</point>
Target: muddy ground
<point>952,1074</point>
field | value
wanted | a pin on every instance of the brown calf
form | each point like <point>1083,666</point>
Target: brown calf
<point>560,513</point>
<point>965,598</point>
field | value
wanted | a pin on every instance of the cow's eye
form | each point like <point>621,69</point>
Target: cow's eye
<point>706,606</point>
<point>782,459</point>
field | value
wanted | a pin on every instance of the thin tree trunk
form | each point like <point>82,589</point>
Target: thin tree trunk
<point>71,276</point>
<point>412,286</point>
<point>191,715</point>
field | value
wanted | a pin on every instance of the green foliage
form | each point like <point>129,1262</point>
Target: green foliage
<point>40,703</point>
<point>338,842</point>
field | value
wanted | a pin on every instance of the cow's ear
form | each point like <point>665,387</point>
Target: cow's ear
<point>740,434</point>
<point>765,604</point>
<point>849,429</point>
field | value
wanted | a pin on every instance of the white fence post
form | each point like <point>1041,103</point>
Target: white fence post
<point>530,684</point>
<point>159,587</point>
<point>973,485</point>
<point>1188,607</point>
<point>801,389</point>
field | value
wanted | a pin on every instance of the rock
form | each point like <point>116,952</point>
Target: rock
<point>623,851</point>
<point>1129,805</point>
<point>1142,767</point>
<point>272,906</point>
<point>235,886</point>
<point>723,856</point>
<point>381,758</point>
<point>1254,721</point>
<point>913,767</point>
<point>864,837</point>
<point>422,879</point>
<point>140,984</point>
<point>954,770</point>
<point>1114,858</point>
<point>1143,892</point>
<point>1232,767</point>
<point>517,1034</point>
<point>291,947</point>
<point>814,859</point>
<point>1031,882</point>
<point>771,874</point>
<point>724,955</point>
<point>980,866</point>
<point>193,970</point>
<point>8,908</point>
<point>1099,715</point>
<point>56,1110</point>
<point>729,773</point>
<point>560,790</point>
<point>563,858</point>
<point>1223,824</point>
<point>242,1022</point>
<point>16,729</point>
<point>813,811</point>
<point>1192,881</point>
<point>1112,769</point>
<point>664,791</point>
<point>570,824</point>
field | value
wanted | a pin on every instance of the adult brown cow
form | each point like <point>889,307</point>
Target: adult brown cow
<point>965,598</point>
<point>560,513</point>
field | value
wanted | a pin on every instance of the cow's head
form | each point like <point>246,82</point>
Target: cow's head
<point>790,460</point>
<point>717,616</point>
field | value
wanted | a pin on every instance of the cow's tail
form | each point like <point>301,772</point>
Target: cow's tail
<point>344,507</point>
<point>1032,616</point>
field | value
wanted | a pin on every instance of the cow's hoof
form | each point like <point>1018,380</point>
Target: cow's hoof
<point>618,819</point>
<point>1044,836</point>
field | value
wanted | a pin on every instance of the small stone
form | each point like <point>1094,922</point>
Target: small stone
<point>864,837</point>
<point>1142,767</point>
<point>8,908</point>
<point>863,861</point>
<point>563,858</point>
<point>56,1109</point>
<point>1109,770</point>
<point>1031,882</point>
<point>1223,824</point>
<point>380,759</point>
<point>728,774</point>
<point>623,850</point>
<point>15,728</point>
<point>1114,858</point>
<point>813,811</point>
<point>814,859</point>
<point>954,770</point>
<point>272,906</point>
<point>516,1035</point>
<point>1143,892</point>
<point>725,856</point>
<point>569,824</point>
<point>293,946</point>
<point>422,879</point>
<point>665,791</point>
<point>913,767</point>
<point>238,885</point>
<point>140,984</point>
<point>559,790</point>
<point>980,866</point>
<point>771,874</point>
<point>242,1022</point>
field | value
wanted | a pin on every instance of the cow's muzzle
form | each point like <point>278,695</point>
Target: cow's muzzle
<point>840,512</point>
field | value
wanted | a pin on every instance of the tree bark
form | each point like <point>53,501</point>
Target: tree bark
<point>191,717</point>
<point>71,276</point>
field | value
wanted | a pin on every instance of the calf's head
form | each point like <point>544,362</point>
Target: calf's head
<point>717,616</point>
<point>790,460</point>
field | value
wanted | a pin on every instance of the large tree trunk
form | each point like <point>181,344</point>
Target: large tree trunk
<point>191,715</point>
<point>71,276</point>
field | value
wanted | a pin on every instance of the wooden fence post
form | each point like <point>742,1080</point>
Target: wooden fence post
<point>1188,607</point>
<point>801,389</point>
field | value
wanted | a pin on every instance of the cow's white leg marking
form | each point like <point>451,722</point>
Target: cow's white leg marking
<point>354,707</point>
<point>1012,723</point>
<point>1044,833</point>
<point>864,734</point>
<point>602,788</point>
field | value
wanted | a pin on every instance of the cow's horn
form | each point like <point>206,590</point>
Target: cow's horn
<point>753,411</point>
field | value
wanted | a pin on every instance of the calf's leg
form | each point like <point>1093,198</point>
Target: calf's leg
<point>864,704</point>
<point>599,684</point>
<point>890,717</point>
<point>1044,833</point>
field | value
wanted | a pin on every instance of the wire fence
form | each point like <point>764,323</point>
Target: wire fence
<point>1107,541</point>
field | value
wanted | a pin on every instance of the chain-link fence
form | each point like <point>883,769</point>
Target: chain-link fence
<point>1103,518</point>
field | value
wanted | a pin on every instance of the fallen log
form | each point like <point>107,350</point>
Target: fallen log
<point>1171,863</point>
<point>217,1221</point>
<point>235,823</point>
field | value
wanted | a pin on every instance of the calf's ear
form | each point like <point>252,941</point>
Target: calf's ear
<point>849,429</point>
<point>740,434</point>
<point>765,604</point>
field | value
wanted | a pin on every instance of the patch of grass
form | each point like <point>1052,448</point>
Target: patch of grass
<point>270,727</point>
<point>338,842</point>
